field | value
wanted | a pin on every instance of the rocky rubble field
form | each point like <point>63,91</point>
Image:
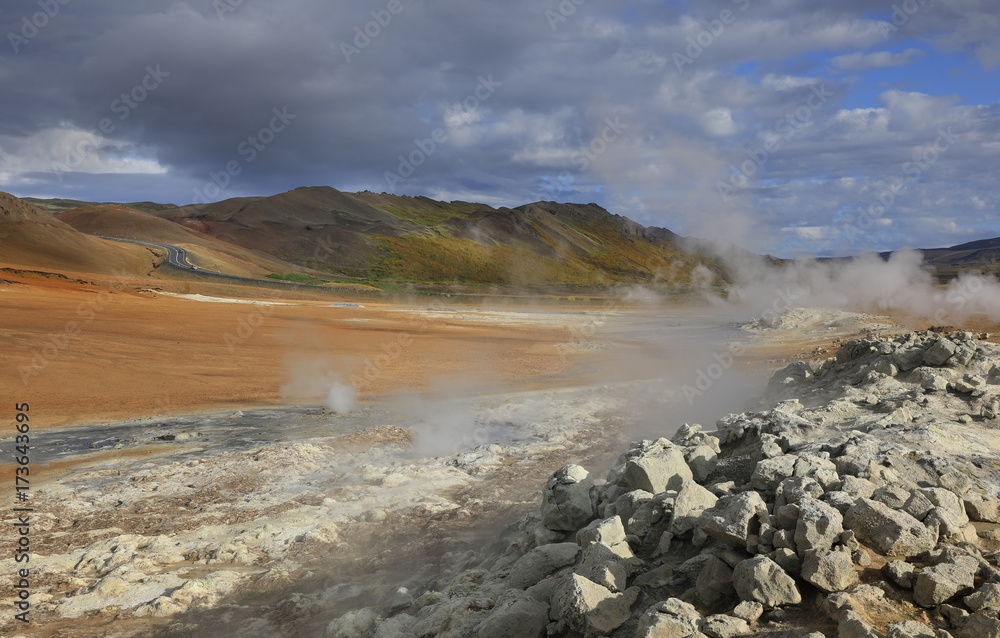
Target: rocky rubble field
<point>861,501</point>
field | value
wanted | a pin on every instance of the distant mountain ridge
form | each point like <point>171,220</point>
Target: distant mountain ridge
<point>395,238</point>
<point>982,255</point>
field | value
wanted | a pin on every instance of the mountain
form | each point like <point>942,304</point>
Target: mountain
<point>394,238</point>
<point>118,220</point>
<point>30,237</point>
<point>60,205</point>
<point>983,255</point>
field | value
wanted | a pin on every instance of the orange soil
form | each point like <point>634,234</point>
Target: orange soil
<point>85,352</point>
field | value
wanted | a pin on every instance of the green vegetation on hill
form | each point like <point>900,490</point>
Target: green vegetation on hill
<point>392,240</point>
<point>56,206</point>
<point>299,278</point>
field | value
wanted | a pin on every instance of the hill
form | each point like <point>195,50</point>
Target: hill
<point>983,255</point>
<point>393,238</point>
<point>55,206</point>
<point>117,220</point>
<point>30,237</point>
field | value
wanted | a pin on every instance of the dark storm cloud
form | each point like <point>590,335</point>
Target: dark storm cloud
<point>360,90</point>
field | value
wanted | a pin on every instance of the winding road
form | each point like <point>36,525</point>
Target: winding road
<point>177,257</point>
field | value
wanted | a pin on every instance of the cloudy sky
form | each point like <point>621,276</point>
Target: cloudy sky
<point>789,127</point>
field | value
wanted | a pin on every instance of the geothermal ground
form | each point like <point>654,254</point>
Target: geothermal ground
<point>267,513</point>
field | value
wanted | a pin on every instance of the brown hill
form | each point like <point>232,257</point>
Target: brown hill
<point>32,238</point>
<point>117,220</point>
<point>394,238</point>
<point>983,255</point>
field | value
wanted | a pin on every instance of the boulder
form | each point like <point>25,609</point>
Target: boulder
<point>714,584</point>
<point>933,381</point>
<point>673,618</point>
<point>981,624</point>
<point>939,352</point>
<point>986,597</point>
<point>702,459</point>
<point>605,566</point>
<point>858,487</point>
<point>945,526</point>
<point>945,581</point>
<point>353,624</point>
<point>566,501</point>
<point>908,358</point>
<point>894,496</point>
<point>900,572</point>
<point>829,570</point>
<point>515,615</point>
<point>794,489</point>
<point>788,560</point>
<point>947,499</point>
<point>819,526</point>
<point>982,508</point>
<point>911,629</point>
<point>657,471</point>
<point>918,505</point>
<point>589,608</point>
<point>971,384</point>
<point>853,625</point>
<point>891,532</point>
<point>724,626</point>
<point>769,473</point>
<point>748,610</point>
<point>541,562</point>
<point>762,580</point>
<point>692,500</point>
<point>820,469</point>
<point>608,531</point>
<point>734,518</point>
<point>628,503</point>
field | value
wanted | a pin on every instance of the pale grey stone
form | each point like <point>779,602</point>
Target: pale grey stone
<point>818,527</point>
<point>761,579</point>
<point>734,518</point>
<point>829,570</point>
<point>692,500</point>
<point>891,532</point>
<point>941,583</point>
<point>566,501</point>
<point>589,608</point>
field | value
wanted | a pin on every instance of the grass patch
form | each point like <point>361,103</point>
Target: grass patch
<point>299,278</point>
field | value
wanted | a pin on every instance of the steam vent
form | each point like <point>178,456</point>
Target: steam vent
<point>866,506</point>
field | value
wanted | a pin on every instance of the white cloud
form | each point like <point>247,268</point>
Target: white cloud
<point>65,150</point>
<point>875,60</point>
<point>719,122</point>
<point>787,82</point>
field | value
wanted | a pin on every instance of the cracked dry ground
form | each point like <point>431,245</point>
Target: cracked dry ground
<point>295,572</point>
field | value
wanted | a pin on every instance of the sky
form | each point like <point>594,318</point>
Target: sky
<point>794,128</point>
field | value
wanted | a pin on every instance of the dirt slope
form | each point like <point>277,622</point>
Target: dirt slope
<point>30,237</point>
<point>115,220</point>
